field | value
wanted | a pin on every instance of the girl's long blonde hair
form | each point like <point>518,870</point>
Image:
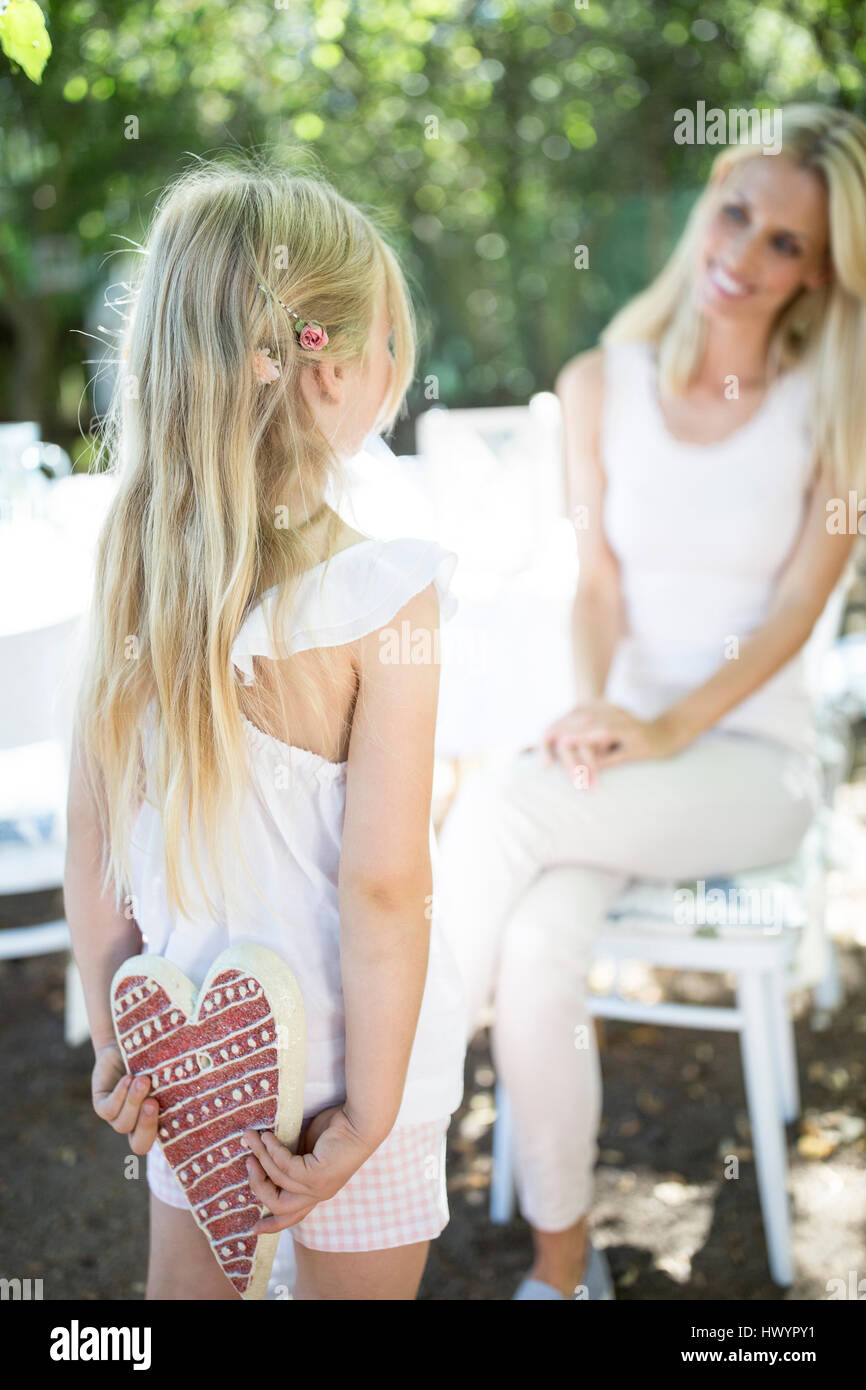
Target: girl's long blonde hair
<point>827,327</point>
<point>219,476</point>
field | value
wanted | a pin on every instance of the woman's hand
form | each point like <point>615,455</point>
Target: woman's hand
<point>330,1151</point>
<point>599,735</point>
<point>121,1099</point>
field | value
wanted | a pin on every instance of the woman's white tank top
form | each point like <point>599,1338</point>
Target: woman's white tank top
<point>701,532</point>
<point>291,829</point>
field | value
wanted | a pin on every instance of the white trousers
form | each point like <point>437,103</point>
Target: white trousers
<point>529,866</point>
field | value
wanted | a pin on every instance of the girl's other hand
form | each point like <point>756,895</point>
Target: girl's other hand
<point>330,1152</point>
<point>121,1099</point>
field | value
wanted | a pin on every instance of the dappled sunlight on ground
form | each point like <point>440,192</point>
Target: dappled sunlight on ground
<point>673,1225</point>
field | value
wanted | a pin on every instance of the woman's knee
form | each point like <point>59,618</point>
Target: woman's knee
<point>520,801</point>
<point>553,927</point>
<point>516,781</point>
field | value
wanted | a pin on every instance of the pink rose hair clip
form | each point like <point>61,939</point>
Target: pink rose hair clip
<point>311,336</point>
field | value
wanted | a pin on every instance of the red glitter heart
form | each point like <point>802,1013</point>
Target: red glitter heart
<point>225,1058</point>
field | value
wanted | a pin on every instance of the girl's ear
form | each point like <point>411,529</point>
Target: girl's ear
<point>324,385</point>
<point>331,380</point>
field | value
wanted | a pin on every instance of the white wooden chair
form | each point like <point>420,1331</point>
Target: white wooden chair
<point>36,699</point>
<point>767,961</point>
<point>494,481</point>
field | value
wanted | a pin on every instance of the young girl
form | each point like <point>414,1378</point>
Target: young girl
<point>251,763</point>
<point>703,441</point>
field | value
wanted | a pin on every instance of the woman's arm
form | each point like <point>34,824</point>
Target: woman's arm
<point>597,617</point>
<point>814,567</point>
<point>102,937</point>
<point>385,882</point>
<point>809,577</point>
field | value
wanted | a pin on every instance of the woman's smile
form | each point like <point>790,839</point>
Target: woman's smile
<point>725,284</point>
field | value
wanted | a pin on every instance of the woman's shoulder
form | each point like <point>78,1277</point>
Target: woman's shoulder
<point>584,376</point>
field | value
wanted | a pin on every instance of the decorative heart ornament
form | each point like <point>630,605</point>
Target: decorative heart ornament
<point>228,1057</point>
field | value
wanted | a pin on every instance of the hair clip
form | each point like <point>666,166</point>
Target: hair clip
<point>264,366</point>
<point>311,335</point>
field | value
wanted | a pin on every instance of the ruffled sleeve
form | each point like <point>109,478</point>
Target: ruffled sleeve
<point>358,591</point>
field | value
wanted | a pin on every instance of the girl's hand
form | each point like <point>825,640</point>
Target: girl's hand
<point>121,1100</point>
<point>289,1185</point>
<point>599,735</point>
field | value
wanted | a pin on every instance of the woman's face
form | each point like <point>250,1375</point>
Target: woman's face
<point>766,238</point>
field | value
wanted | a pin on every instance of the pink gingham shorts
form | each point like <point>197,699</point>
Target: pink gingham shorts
<point>398,1197</point>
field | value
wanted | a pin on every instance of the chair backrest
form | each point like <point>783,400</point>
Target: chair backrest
<point>37,691</point>
<point>494,477</point>
<point>15,437</point>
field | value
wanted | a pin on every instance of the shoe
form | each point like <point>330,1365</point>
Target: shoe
<point>596,1280</point>
<point>537,1289</point>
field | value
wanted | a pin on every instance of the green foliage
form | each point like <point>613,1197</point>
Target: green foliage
<point>494,136</point>
<point>24,38</point>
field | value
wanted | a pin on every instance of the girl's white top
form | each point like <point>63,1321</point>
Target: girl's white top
<point>701,532</point>
<point>290,832</point>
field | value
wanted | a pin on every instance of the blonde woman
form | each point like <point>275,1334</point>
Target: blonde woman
<point>703,440</point>
<point>249,766</point>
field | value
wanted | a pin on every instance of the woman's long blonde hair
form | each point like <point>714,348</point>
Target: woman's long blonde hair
<point>218,475</point>
<point>826,326</point>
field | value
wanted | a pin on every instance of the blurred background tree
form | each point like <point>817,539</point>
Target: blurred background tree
<point>496,137</point>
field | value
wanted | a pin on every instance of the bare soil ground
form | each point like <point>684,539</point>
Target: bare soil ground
<point>72,1213</point>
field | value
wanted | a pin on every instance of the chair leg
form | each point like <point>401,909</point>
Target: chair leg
<point>76,1026</point>
<point>827,993</point>
<point>502,1181</point>
<point>784,1044</point>
<point>768,1134</point>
